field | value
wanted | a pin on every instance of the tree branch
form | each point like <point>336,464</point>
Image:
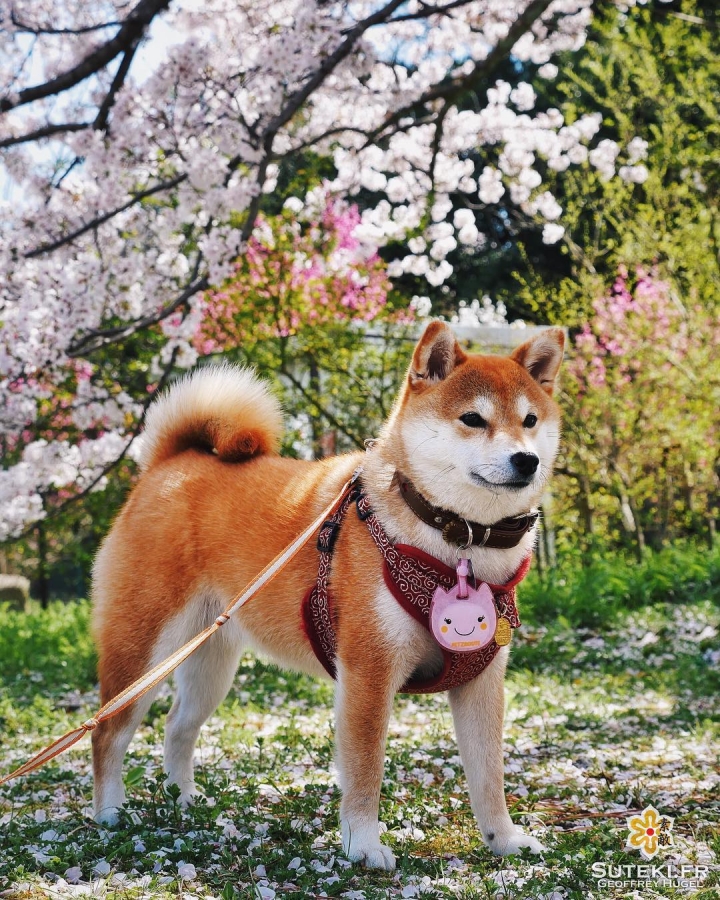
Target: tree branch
<point>24,28</point>
<point>101,119</point>
<point>45,131</point>
<point>95,338</point>
<point>330,63</point>
<point>426,11</point>
<point>104,217</point>
<point>131,30</point>
<point>297,99</point>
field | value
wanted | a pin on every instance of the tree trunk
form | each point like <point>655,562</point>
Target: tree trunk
<point>587,510</point>
<point>547,530</point>
<point>540,559</point>
<point>316,424</point>
<point>631,521</point>
<point>43,582</point>
<point>640,542</point>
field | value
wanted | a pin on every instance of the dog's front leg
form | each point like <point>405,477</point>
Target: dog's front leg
<point>363,702</point>
<point>478,709</point>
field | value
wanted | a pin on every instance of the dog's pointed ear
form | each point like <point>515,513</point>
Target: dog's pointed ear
<point>541,356</point>
<point>436,355</point>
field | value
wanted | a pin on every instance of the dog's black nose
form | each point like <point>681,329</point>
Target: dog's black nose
<point>525,463</point>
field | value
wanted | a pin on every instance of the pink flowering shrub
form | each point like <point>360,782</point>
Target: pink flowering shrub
<point>627,322</point>
<point>643,389</point>
<point>296,272</point>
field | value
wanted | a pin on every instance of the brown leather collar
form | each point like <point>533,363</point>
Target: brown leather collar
<point>501,535</point>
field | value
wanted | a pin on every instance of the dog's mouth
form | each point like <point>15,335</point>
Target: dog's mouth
<point>500,486</point>
<point>465,633</point>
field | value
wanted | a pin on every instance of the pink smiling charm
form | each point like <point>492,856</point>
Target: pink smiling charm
<point>463,619</point>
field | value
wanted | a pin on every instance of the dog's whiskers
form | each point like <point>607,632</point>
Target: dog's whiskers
<point>417,447</point>
<point>443,472</point>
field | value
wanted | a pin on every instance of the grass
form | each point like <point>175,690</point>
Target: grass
<point>612,705</point>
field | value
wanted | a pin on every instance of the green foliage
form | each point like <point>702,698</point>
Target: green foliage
<point>54,643</point>
<point>654,71</point>
<point>596,590</point>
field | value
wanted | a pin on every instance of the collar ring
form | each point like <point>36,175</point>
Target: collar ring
<point>470,537</point>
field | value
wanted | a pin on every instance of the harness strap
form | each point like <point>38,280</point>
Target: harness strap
<point>412,577</point>
<point>317,604</point>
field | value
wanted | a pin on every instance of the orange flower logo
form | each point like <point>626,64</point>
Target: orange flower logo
<point>649,832</point>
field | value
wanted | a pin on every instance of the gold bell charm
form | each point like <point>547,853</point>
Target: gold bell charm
<point>503,632</point>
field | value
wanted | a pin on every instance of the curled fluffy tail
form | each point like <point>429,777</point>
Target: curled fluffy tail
<point>222,408</point>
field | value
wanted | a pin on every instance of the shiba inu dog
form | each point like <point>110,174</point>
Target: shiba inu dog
<point>475,436</point>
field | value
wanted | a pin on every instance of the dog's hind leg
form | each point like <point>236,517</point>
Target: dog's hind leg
<point>202,683</point>
<point>110,741</point>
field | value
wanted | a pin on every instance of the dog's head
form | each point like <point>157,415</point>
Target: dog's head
<point>479,434</point>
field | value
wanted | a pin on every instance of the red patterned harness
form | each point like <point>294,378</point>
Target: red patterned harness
<point>412,576</point>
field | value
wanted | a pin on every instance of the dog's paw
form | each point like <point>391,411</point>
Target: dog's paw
<point>513,842</point>
<point>189,797</point>
<point>109,816</point>
<point>372,855</point>
<point>362,844</point>
<point>185,794</point>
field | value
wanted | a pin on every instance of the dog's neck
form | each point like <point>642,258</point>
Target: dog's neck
<point>404,527</point>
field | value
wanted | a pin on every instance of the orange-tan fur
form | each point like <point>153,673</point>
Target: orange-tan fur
<point>215,503</point>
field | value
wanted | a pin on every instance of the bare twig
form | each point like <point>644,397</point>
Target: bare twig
<point>326,414</point>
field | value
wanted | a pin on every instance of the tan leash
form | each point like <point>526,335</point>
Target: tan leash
<point>148,681</point>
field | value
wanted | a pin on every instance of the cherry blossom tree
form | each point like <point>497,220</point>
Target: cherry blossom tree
<point>141,139</point>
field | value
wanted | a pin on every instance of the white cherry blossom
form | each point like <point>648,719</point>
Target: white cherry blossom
<point>552,233</point>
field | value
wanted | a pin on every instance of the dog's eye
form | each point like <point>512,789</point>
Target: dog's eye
<point>448,621</point>
<point>481,618</point>
<point>473,420</point>
<point>530,421</point>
